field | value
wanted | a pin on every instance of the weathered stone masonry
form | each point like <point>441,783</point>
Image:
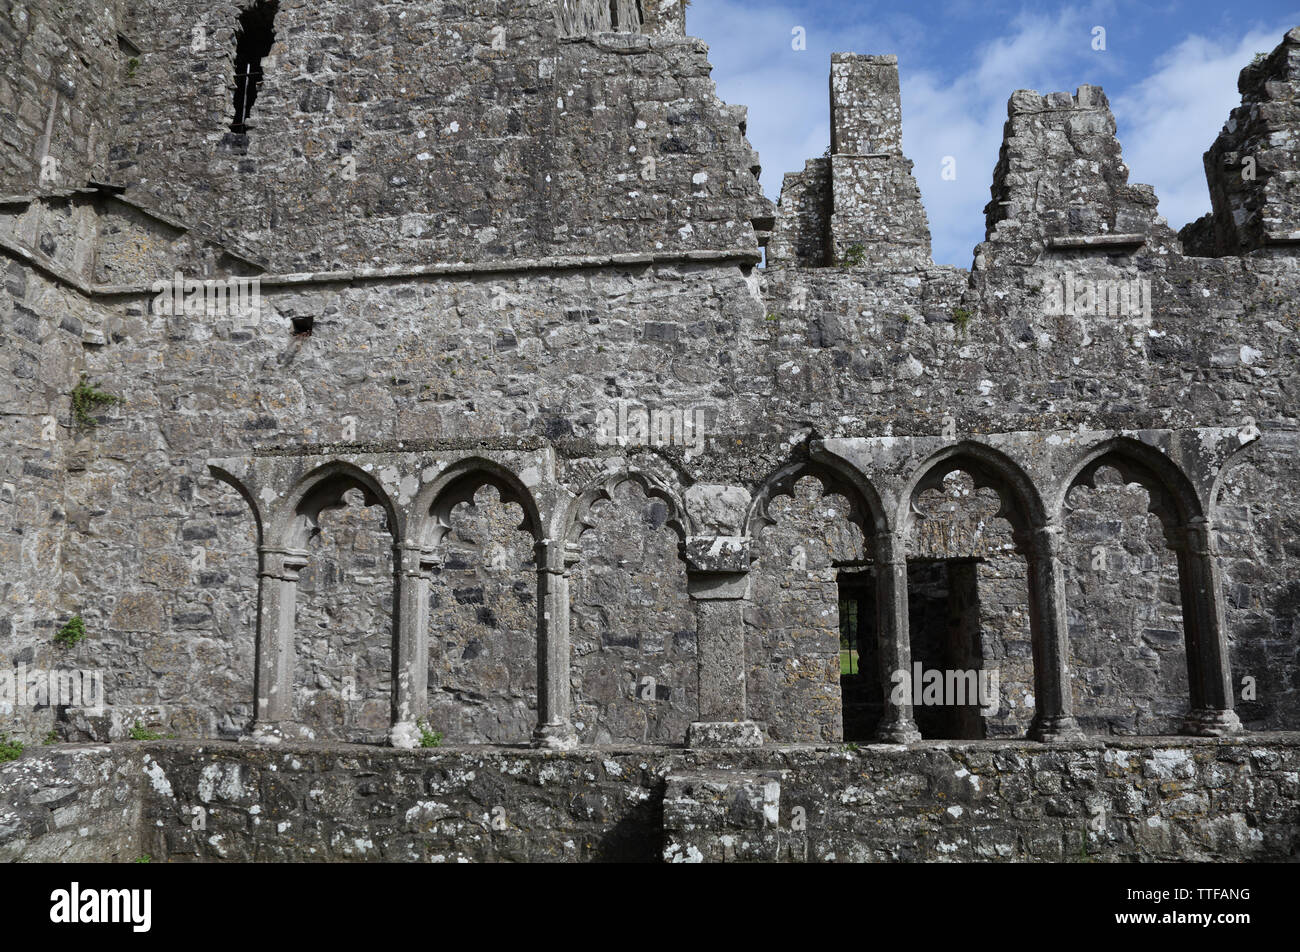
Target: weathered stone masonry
<point>1120,800</point>
<point>385,504</point>
<point>418,492</point>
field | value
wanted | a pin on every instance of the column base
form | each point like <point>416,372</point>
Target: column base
<point>404,735</point>
<point>275,732</point>
<point>1212,722</point>
<point>900,731</point>
<point>555,737</point>
<point>1054,730</point>
<point>724,734</point>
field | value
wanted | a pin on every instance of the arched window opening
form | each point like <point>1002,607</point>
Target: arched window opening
<point>483,621</point>
<point>861,686</point>
<point>794,653</point>
<point>972,661</point>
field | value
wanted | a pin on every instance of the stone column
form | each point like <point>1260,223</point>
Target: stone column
<point>277,594</point>
<point>1053,702</point>
<point>1205,627</point>
<point>717,580</point>
<point>893,636</point>
<point>555,560</point>
<point>412,570</point>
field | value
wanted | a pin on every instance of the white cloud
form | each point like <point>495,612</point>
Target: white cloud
<point>1171,117</point>
<point>1168,113</point>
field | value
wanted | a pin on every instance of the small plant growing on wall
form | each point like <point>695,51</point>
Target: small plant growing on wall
<point>9,749</point>
<point>74,632</point>
<point>855,256</point>
<point>961,319</point>
<point>140,732</point>
<point>429,738</point>
<point>85,399</point>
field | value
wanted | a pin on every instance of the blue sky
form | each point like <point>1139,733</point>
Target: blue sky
<point>1169,70</point>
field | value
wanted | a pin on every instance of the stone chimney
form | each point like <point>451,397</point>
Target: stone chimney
<point>875,202</point>
<point>859,205</point>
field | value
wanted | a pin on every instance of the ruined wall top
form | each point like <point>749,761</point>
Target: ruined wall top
<point>859,206</point>
<point>1061,174</point>
<point>583,17</point>
<point>397,135</point>
<point>866,106</point>
<point>1252,167</point>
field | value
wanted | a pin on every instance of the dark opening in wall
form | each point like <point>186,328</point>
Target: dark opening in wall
<point>861,687</point>
<point>944,622</point>
<point>944,618</point>
<point>303,326</point>
<point>253,40</point>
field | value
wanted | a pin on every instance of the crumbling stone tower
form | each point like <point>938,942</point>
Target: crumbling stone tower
<point>443,394</point>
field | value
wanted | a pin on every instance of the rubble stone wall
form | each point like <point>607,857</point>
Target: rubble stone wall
<point>532,273</point>
<point>1118,801</point>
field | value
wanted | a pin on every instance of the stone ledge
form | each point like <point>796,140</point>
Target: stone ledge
<point>1086,242</point>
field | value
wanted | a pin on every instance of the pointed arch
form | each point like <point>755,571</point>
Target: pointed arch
<point>222,474</point>
<point>578,519</point>
<point>1173,497</point>
<point>322,489</point>
<point>431,511</point>
<point>1021,503</point>
<point>614,632</point>
<point>430,542</point>
<point>866,509</point>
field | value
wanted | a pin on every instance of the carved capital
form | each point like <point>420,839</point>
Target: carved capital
<point>283,564</point>
<point>718,554</point>
<point>414,561</point>
<point>890,549</point>
<point>557,556</point>
<point>1041,543</point>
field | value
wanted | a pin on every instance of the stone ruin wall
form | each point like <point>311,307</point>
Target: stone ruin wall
<point>537,278</point>
<point>1174,799</point>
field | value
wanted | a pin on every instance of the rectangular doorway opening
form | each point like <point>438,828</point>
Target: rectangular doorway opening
<point>944,611</point>
<point>944,628</point>
<point>861,687</point>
